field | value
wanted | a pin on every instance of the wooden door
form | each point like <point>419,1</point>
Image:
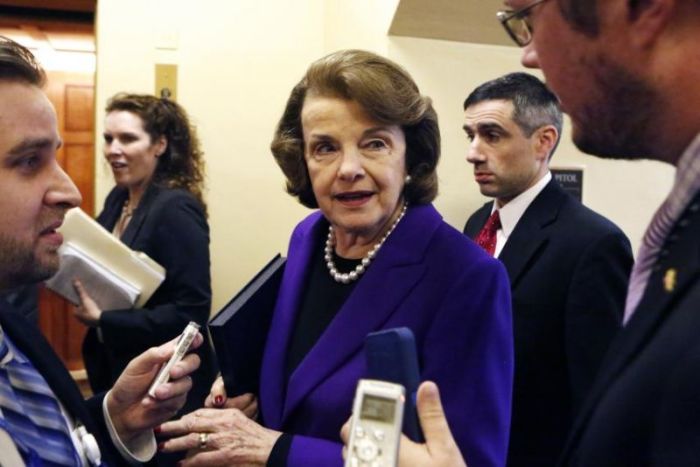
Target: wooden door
<point>72,94</point>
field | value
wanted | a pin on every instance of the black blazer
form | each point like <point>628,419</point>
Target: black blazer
<point>26,337</point>
<point>170,226</point>
<point>644,408</point>
<point>568,268</point>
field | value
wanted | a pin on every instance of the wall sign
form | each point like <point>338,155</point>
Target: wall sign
<point>570,179</point>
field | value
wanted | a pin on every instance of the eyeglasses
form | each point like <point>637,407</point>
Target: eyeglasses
<point>517,23</point>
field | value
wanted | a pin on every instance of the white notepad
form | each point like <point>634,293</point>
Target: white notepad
<point>114,275</point>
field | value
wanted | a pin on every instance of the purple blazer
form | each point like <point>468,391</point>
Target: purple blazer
<point>429,277</point>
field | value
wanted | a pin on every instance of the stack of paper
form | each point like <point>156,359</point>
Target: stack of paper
<point>114,275</point>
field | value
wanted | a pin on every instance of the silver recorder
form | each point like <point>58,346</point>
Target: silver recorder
<point>375,430</point>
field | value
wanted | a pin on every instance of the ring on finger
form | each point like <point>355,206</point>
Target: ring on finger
<point>203,438</point>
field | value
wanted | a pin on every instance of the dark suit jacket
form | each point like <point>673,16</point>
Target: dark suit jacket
<point>427,277</point>
<point>568,268</point>
<point>26,337</point>
<point>169,226</point>
<point>644,408</point>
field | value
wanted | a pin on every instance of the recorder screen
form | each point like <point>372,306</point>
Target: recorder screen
<point>377,408</point>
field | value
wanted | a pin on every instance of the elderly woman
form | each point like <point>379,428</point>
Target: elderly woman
<point>156,207</point>
<point>358,142</point>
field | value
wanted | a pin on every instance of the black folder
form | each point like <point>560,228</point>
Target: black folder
<point>239,330</point>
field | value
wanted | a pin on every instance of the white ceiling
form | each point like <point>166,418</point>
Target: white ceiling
<point>455,20</point>
<point>55,49</point>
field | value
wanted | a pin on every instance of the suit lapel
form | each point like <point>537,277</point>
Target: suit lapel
<point>530,235</point>
<point>113,208</point>
<point>301,250</point>
<point>140,214</point>
<point>660,295</point>
<point>626,346</point>
<point>398,263</point>
<point>477,221</point>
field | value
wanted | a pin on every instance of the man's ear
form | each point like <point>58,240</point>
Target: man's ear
<point>546,139</point>
<point>648,19</point>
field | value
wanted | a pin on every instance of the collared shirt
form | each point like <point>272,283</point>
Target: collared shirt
<point>140,450</point>
<point>13,354</point>
<point>511,213</point>
<point>685,187</point>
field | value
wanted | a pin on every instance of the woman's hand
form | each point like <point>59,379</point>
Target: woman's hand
<point>218,437</point>
<point>217,399</point>
<point>87,312</point>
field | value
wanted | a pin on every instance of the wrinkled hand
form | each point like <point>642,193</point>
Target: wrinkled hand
<point>440,449</point>
<point>131,409</point>
<point>231,438</point>
<point>87,312</point>
<point>217,399</point>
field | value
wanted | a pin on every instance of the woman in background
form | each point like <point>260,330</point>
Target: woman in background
<point>157,208</point>
<point>360,144</point>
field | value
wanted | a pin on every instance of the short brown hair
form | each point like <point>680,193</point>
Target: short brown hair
<point>388,94</point>
<point>182,163</point>
<point>17,63</point>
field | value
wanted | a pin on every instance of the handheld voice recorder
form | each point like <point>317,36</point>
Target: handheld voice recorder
<point>183,345</point>
<point>375,430</point>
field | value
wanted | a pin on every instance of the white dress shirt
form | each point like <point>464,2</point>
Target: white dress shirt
<point>511,213</point>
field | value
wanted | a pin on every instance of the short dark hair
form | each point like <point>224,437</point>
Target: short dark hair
<point>182,163</point>
<point>17,63</point>
<point>534,105</point>
<point>387,93</point>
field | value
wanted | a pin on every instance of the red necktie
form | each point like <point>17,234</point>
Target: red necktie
<point>487,236</point>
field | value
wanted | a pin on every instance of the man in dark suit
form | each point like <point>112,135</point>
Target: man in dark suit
<point>627,73</point>
<point>25,300</point>
<point>568,266</point>
<point>40,406</point>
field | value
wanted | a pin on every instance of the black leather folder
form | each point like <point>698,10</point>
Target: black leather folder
<point>240,329</point>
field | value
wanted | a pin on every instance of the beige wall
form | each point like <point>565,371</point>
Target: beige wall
<point>623,191</point>
<point>237,62</point>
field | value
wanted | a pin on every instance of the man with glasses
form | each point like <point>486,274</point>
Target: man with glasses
<point>628,74</point>
<point>517,23</point>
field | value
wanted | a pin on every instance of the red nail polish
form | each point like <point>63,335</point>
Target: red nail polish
<point>218,400</point>
<point>161,446</point>
<point>156,430</point>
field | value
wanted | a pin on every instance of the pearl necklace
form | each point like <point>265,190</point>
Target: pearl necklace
<point>347,277</point>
